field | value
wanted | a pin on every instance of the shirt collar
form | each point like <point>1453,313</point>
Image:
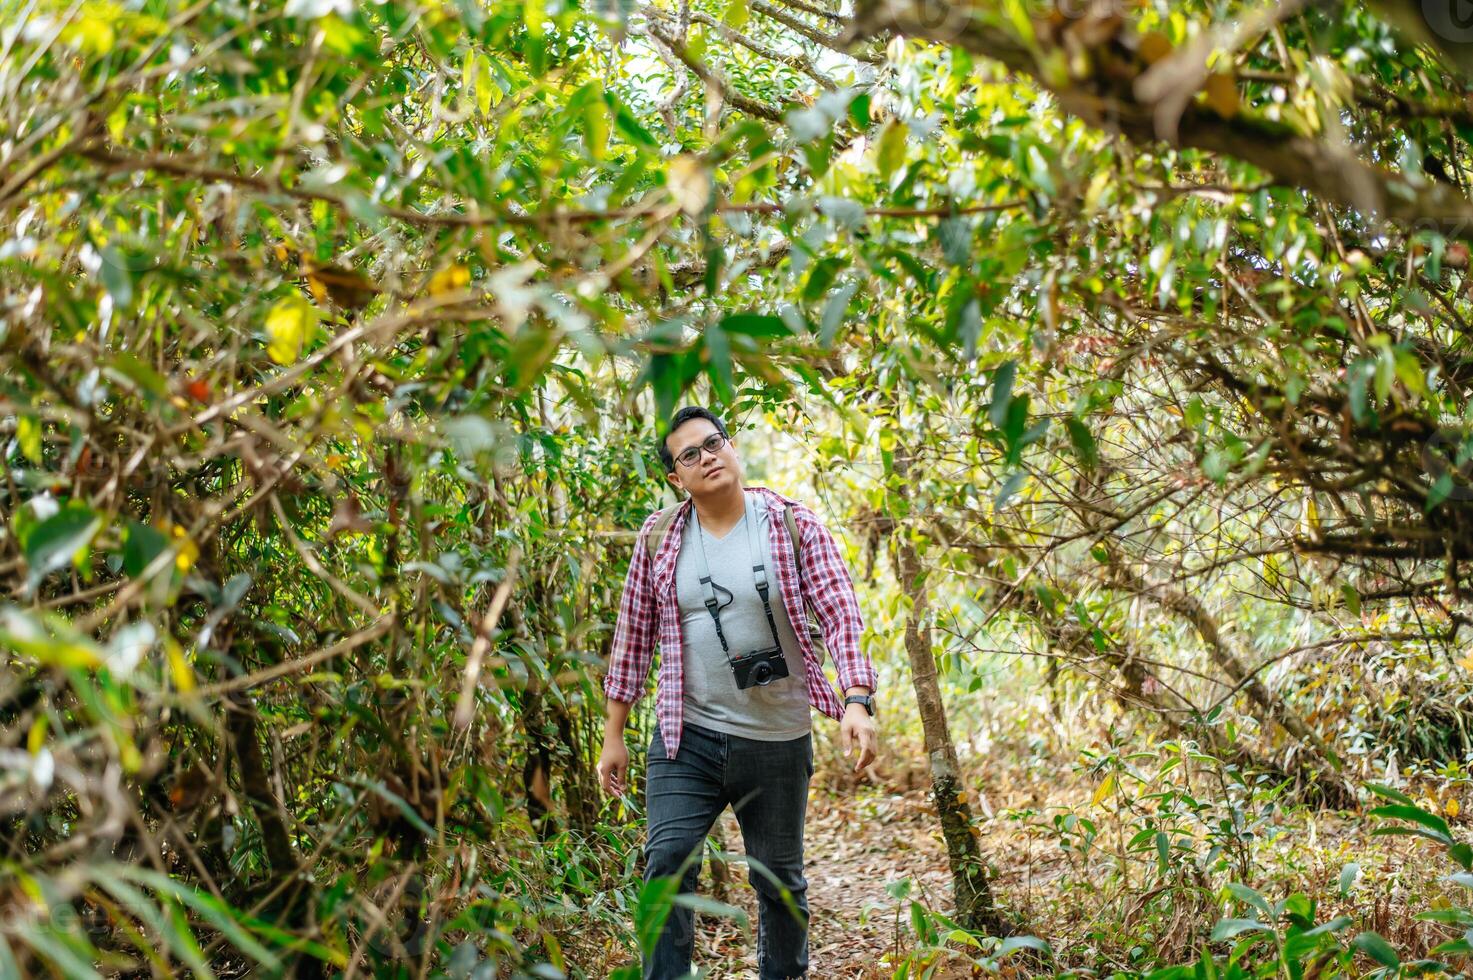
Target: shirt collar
<point>687,504</point>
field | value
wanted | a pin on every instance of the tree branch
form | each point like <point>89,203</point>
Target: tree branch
<point>714,78</point>
<point>836,42</point>
<point>1111,102</point>
<point>798,62</point>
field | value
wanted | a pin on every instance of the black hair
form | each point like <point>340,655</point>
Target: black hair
<point>676,421</point>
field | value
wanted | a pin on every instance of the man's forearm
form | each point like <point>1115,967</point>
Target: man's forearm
<point>618,715</point>
<point>856,689</point>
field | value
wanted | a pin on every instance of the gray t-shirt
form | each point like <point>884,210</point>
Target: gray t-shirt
<point>773,712</point>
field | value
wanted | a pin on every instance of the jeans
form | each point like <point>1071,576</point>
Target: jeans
<point>766,784</point>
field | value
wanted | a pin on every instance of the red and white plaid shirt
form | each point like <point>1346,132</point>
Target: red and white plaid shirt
<point>649,614</point>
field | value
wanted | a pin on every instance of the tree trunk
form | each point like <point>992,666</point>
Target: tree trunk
<point>975,908</point>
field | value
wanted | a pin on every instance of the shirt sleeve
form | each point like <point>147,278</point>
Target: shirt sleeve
<point>827,586</point>
<point>633,647</point>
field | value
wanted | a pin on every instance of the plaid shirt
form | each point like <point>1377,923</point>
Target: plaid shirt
<point>648,614</point>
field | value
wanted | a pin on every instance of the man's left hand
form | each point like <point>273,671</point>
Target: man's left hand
<point>857,730</point>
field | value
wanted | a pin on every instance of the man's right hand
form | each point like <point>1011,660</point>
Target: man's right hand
<point>613,766</point>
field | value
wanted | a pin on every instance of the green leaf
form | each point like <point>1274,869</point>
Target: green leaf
<point>755,325</point>
<point>709,906</point>
<point>656,899</point>
<point>1010,486</point>
<point>596,125</point>
<point>890,156</point>
<point>397,801</point>
<point>821,278</point>
<point>1462,947</point>
<point>833,313</point>
<point>129,370</point>
<point>8,966</point>
<point>718,349</point>
<point>1357,383</point>
<point>918,923</point>
<point>1385,374</point>
<point>968,327</point>
<point>1014,943</point>
<point>50,640</point>
<point>28,434</point>
<point>736,13</point>
<point>141,545</point>
<point>631,129</point>
<point>533,13</point>
<point>955,236</point>
<point>1415,814</point>
<point>1299,945</point>
<point>1387,792</point>
<point>1014,424</point>
<point>1250,896</point>
<point>61,540</point>
<point>1083,442</point>
<point>1228,928</point>
<point>482,84</point>
<point>116,278</point>
<point>1002,392</point>
<point>72,955</point>
<point>1348,876</point>
<point>1216,465</point>
<point>1377,949</point>
<point>174,928</point>
<point>1441,489</point>
<point>209,908</point>
<point>1400,831</point>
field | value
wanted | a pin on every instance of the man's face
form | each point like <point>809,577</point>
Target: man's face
<point>710,471</point>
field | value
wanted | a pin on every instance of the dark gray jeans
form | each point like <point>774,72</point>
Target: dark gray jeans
<point>766,784</point>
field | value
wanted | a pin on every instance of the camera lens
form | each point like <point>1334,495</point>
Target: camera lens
<point>762,673</point>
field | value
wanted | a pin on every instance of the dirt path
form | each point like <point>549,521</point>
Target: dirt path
<point>855,847</point>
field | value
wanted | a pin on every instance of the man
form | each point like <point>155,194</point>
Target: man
<point>721,596</point>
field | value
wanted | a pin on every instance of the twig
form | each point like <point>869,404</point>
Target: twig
<point>247,681</point>
<point>465,705</point>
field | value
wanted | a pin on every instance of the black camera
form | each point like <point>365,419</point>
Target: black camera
<point>759,668</point>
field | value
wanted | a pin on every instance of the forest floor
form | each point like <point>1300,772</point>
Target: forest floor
<point>862,840</point>
<point>855,848</point>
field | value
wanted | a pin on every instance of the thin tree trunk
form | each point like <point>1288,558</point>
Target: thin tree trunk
<point>975,907</point>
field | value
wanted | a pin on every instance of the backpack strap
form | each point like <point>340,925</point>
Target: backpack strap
<point>815,632</point>
<point>655,537</point>
<point>793,533</point>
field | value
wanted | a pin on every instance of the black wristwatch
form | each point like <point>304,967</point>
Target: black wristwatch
<point>865,699</point>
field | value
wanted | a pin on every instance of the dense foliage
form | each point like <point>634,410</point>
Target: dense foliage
<point>1126,347</point>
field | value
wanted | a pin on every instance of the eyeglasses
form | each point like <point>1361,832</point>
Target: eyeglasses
<point>712,445</point>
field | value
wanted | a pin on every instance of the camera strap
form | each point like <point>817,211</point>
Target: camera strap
<point>759,575</point>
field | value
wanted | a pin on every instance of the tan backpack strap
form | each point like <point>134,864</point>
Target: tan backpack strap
<point>815,632</point>
<point>657,531</point>
<point>793,533</point>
